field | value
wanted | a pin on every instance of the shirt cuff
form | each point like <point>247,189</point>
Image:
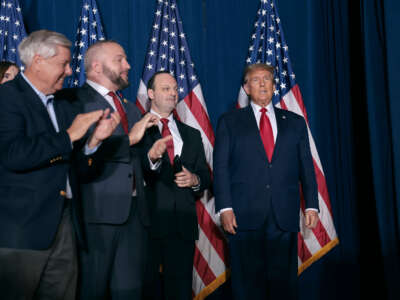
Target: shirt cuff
<point>311,209</point>
<point>154,166</point>
<point>89,151</point>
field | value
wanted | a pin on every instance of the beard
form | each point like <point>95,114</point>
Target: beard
<point>115,78</point>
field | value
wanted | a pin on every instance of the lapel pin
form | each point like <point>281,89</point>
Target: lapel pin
<point>125,101</point>
<point>283,117</point>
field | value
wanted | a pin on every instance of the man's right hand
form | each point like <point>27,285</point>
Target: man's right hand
<point>137,131</point>
<point>81,124</point>
<point>228,221</point>
<point>158,148</point>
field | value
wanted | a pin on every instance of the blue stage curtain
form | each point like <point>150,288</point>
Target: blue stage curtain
<point>345,55</point>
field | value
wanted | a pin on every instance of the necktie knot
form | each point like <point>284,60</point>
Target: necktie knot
<point>164,121</point>
<point>263,110</point>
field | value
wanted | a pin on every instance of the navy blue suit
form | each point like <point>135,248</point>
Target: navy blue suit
<point>264,195</point>
<point>37,240</point>
<point>116,223</point>
<point>34,163</point>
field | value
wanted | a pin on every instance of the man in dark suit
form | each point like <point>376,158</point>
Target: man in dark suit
<point>38,186</point>
<point>261,155</point>
<point>115,209</point>
<point>174,226</point>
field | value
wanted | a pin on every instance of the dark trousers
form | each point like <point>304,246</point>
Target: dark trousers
<point>171,259</point>
<point>264,263</point>
<point>114,265</point>
<point>42,275</point>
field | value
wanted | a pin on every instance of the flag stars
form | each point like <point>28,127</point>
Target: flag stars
<point>278,45</point>
<point>18,9</point>
<point>86,6</point>
<point>293,76</point>
<point>173,6</point>
<point>173,20</point>
<point>276,92</point>
<point>269,52</point>
<point>94,24</point>
<point>153,40</point>
<point>83,31</point>
<point>93,37</point>
<point>79,57</point>
<point>165,29</point>
<point>15,37</point>
<point>271,28</point>
<point>163,56</point>
<point>155,26</point>
<point>271,40</point>
<point>182,35</point>
<point>9,5</point>
<point>81,44</point>
<point>164,43</point>
<point>283,86</point>
<point>85,19</point>
<point>182,76</point>
<point>149,66</point>
<point>172,47</point>
<point>78,70</point>
<point>193,78</point>
<point>182,49</point>
<point>182,63</point>
<point>285,60</point>
<point>166,17</point>
<point>94,10</point>
<point>17,23</point>
<point>158,13</point>
<point>172,34</point>
<point>248,60</point>
<point>151,53</point>
<point>171,60</point>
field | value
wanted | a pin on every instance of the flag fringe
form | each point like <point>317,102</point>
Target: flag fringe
<point>213,285</point>
<point>317,255</point>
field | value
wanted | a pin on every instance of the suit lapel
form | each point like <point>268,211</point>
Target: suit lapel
<point>34,102</point>
<point>184,136</point>
<point>249,121</point>
<point>281,124</point>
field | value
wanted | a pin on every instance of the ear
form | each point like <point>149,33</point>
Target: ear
<point>97,67</point>
<point>150,93</point>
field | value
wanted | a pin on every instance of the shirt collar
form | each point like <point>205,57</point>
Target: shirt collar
<point>170,117</point>
<point>256,107</point>
<point>99,88</point>
<point>45,99</point>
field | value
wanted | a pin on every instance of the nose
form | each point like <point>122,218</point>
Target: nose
<point>68,70</point>
<point>127,65</point>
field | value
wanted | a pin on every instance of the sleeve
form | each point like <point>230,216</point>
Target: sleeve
<point>221,156</point>
<point>307,173</point>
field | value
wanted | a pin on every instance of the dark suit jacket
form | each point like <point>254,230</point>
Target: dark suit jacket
<point>34,163</point>
<point>173,209</point>
<point>245,180</point>
<point>107,192</point>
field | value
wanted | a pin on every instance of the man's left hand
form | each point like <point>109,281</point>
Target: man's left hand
<point>104,128</point>
<point>186,178</point>
<point>311,219</point>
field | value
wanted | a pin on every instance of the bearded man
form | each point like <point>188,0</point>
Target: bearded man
<point>114,209</point>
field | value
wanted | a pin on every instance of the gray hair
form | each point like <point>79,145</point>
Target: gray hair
<point>93,51</point>
<point>43,43</point>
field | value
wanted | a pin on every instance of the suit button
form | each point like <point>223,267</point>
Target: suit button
<point>268,186</point>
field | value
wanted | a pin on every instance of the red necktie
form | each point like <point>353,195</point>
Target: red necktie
<point>121,111</point>
<point>266,133</point>
<point>170,144</point>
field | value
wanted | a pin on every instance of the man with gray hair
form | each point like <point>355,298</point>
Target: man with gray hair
<point>39,145</point>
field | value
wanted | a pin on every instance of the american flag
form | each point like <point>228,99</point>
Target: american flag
<point>268,46</point>
<point>12,30</point>
<point>89,31</point>
<point>168,50</point>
